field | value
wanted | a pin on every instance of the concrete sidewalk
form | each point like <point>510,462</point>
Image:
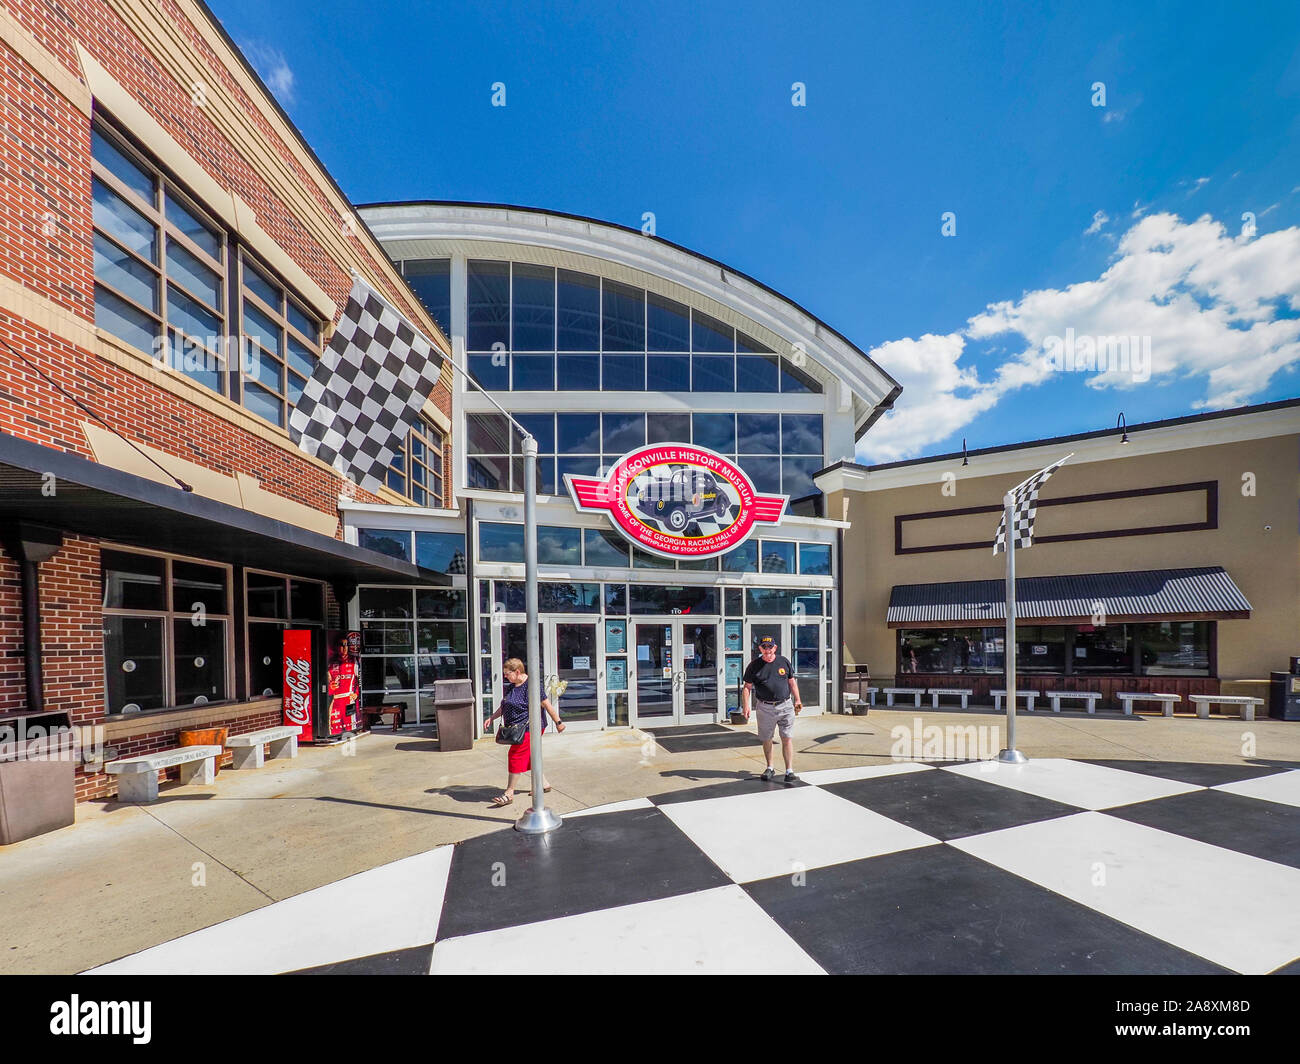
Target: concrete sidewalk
<point>124,878</point>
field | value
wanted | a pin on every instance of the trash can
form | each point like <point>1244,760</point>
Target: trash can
<point>453,704</point>
<point>1284,695</point>
<point>206,737</point>
<point>37,791</point>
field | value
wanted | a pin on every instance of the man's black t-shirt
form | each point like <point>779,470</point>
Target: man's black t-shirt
<point>771,679</point>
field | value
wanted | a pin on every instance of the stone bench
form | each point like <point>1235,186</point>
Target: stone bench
<point>890,692</point>
<point>963,693</point>
<point>247,748</point>
<point>137,777</point>
<point>1092,698</point>
<point>1244,702</point>
<point>1028,696</point>
<point>1167,702</point>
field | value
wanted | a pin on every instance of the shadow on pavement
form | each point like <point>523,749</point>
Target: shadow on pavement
<point>462,793</point>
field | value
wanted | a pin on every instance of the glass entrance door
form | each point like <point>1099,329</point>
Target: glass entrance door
<point>678,671</point>
<point>575,664</point>
<point>799,642</point>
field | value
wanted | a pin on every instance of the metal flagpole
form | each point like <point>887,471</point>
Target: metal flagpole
<point>1011,754</point>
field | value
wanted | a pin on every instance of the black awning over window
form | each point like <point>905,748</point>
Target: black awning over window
<point>42,486</point>
<point>1206,593</point>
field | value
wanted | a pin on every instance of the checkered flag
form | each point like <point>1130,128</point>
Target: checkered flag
<point>1025,508</point>
<point>367,389</point>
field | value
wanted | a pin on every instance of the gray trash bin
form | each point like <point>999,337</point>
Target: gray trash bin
<point>453,704</point>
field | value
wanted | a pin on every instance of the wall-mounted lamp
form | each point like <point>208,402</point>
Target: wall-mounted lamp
<point>964,460</point>
<point>1122,424</point>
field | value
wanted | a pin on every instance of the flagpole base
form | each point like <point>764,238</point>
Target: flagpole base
<point>1012,757</point>
<point>535,823</point>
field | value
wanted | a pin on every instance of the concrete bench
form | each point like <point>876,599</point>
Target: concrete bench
<point>891,691</point>
<point>1167,702</point>
<point>137,777</point>
<point>1028,696</point>
<point>1245,702</point>
<point>963,693</point>
<point>1092,698</point>
<point>247,748</point>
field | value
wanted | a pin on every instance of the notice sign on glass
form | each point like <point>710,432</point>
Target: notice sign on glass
<point>615,637</point>
<point>617,672</point>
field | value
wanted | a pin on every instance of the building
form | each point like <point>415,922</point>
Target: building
<point>1164,559</point>
<point>601,340</point>
<point>173,259</point>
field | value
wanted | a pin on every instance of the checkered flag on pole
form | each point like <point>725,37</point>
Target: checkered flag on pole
<point>1025,509</point>
<point>367,389</point>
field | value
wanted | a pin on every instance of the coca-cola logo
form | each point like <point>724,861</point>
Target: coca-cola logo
<point>297,693</point>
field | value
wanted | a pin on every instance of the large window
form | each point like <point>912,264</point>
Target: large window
<point>416,470</point>
<point>274,602</point>
<point>410,638</point>
<point>1165,648</point>
<point>538,328</point>
<point>166,631</point>
<point>163,270</point>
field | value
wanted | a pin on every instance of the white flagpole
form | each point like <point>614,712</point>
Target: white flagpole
<point>1011,754</point>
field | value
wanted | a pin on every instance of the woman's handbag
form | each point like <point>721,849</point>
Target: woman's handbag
<point>513,734</point>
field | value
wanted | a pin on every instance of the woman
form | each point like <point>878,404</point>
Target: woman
<point>514,709</point>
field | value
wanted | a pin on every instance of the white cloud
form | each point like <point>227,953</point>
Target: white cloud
<point>1098,220</point>
<point>272,67</point>
<point>1208,301</point>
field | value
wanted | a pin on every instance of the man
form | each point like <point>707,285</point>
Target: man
<point>344,687</point>
<point>771,678</point>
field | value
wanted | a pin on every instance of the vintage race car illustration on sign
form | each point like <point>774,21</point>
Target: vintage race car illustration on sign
<point>679,497</point>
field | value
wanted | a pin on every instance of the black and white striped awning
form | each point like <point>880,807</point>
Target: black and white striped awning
<point>1156,594</point>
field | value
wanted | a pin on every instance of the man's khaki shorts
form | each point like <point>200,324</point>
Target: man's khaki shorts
<point>773,715</point>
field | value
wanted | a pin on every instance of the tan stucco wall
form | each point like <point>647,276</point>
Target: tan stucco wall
<point>1264,564</point>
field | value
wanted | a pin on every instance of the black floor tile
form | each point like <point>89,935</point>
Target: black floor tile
<point>1268,830</point>
<point>1200,775</point>
<point>937,910</point>
<point>721,739</point>
<point>948,806</point>
<point>592,862</point>
<point>413,961</point>
<point>726,790</point>
<point>1288,969</point>
<point>687,729</point>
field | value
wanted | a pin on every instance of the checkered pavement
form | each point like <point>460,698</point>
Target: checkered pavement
<point>1055,866</point>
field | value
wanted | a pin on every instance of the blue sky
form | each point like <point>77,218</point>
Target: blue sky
<point>1117,220</point>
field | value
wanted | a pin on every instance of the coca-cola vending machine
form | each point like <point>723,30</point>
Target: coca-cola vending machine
<point>322,683</point>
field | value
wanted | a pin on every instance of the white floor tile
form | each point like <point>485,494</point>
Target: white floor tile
<point>1227,907</point>
<point>860,772</point>
<point>1283,787</point>
<point>613,807</point>
<point>717,932</point>
<point>392,907</point>
<point>1074,782</point>
<point>778,833</point>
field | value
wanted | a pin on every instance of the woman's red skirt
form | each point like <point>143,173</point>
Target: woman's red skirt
<point>520,756</point>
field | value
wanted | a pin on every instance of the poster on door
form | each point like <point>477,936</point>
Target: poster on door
<point>615,637</point>
<point>617,675</point>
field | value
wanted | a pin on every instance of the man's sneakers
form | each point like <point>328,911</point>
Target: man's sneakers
<point>790,777</point>
<point>767,775</point>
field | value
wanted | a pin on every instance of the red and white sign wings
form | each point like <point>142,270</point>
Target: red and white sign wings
<point>678,500</point>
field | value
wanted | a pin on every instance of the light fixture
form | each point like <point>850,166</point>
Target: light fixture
<point>964,460</point>
<point>1122,424</point>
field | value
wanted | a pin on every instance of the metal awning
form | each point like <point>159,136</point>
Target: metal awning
<point>1206,593</point>
<point>90,499</point>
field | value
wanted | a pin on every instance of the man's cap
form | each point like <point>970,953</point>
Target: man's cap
<point>767,641</point>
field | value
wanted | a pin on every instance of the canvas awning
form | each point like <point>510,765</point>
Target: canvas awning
<point>1206,593</point>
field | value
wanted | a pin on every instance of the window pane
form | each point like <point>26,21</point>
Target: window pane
<point>533,373</point>
<point>187,223</point>
<point>578,301</point>
<point>384,602</point>
<point>668,324</point>
<point>668,428</point>
<point>441,637</point>
<point>557,545</point>
<point>743,559</point>
<point>713,373</point>
<point>443,552</point>
<point>194,360</point>
<point>643,559</point>
<point>758,433</point>
<point>709,334</point>
<point>124,321</point>
<point>623,373</point>
<point>301,358</point>
<point>776,556</point>
<point>578,467</point>
<point>296,385</point>
<point>263,403</point>
<point>186,269</point>
<point>1102,649</point>
<point>715,431</point>
<point>542,427</point>
<point>500,542</point>
<point>261,329</point>
<point>797,476</point>
<point>439,603</point>
<point>488,434</point>
<point>794,379</point>
<point>394,544</point>
<point>604,548</point>
<point>623,319</point>
<point>265,659</point>
<point>578,373</point>
<point>136,178</point>
<point>765,472</point>
<point>708,565</point>
<point>306,601</point>
<point>782,601</point>
<point>267,596</point>
<point>193,319</point>
<point>303,322</point>
<point>568,598</point>
<point>128,275</point>
<point>577,433</point>
<point>1175,648</point>
<point>491,474</point>
<point>815,559</point>
<point>757,373</point>
<point>652,598</point>
<point>199,662</point>
<point>133,663</point>
<point>491,372</point>
<point>261,286</point>
<point>431,279</point>
<point>203,584</point>
<point>387,637</point>
<point>132,581</point>
<point>1040,648</point>
<point>801,434</point>
<point>488,305</point>
<point>124,223</point>
<point>533,300</point>
<point>622,432</point>
<point>668,373</point>
<point>262,367</point>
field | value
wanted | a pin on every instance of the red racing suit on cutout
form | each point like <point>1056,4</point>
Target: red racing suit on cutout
<point>345,693</point>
